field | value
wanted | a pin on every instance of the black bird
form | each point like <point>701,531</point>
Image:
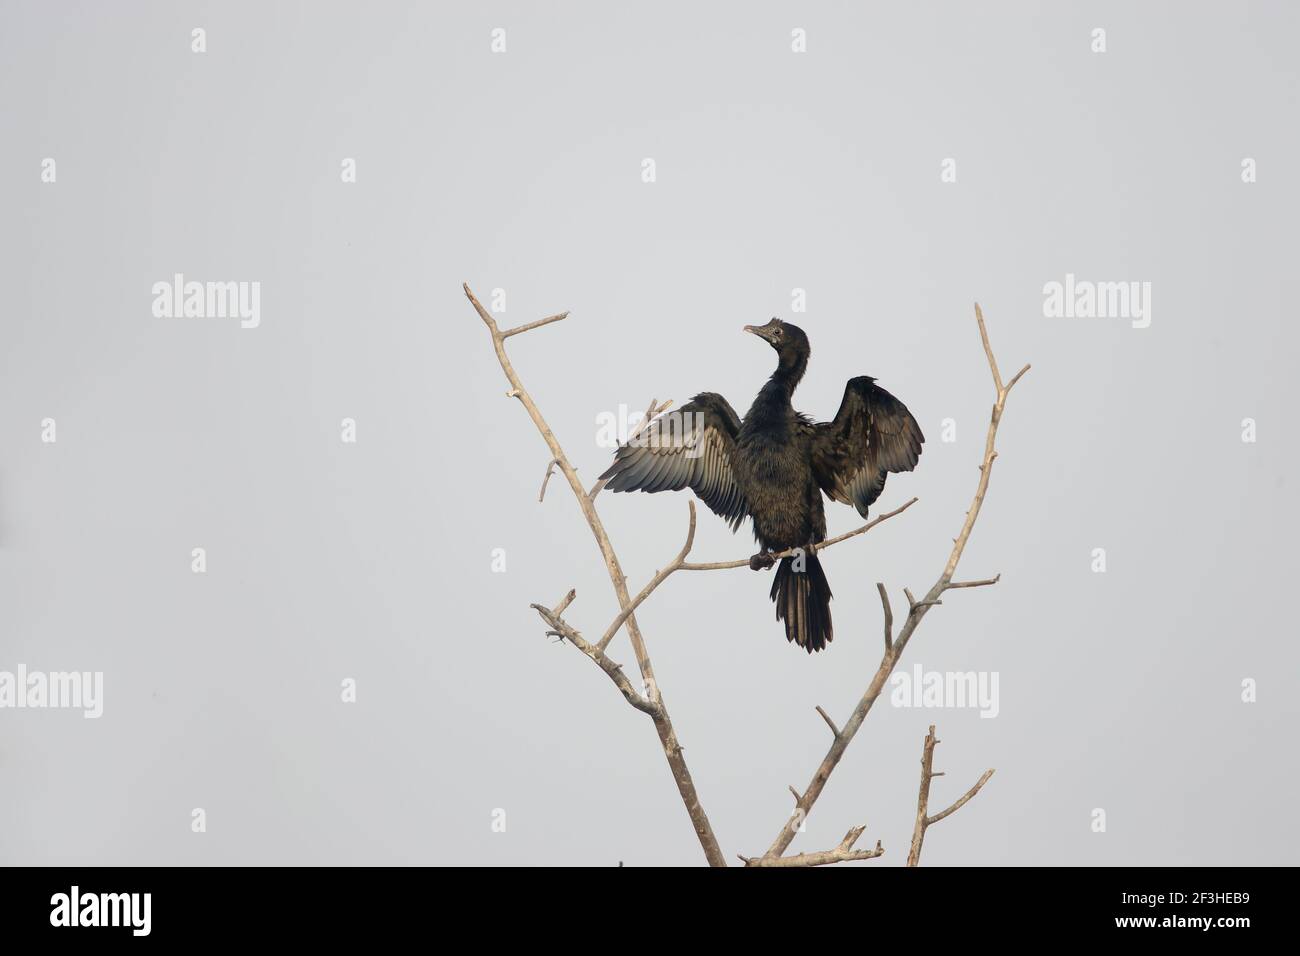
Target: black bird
<point>773,467</point>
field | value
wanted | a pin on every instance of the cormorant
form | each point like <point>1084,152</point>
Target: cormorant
<point>773,466</point>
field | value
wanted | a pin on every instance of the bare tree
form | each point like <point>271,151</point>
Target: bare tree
<point>649,698</point>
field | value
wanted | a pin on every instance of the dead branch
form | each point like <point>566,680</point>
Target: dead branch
<point>829,723</point>
<point>843,853</point>
<point>560,628</point>
<point>791,552</point>
<point>680,563</point>
<point>889,617</point>
<point>917,610</point>
<point>984,778</point>
<point>564,603</point>
<point>657,710</point>
<point>550,470</point>
<point>658,579</point>
<point>528,327</point>
<point>974,584</point>
<point>924,822</point>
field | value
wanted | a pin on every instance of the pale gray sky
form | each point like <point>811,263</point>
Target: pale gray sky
<point>522,170</point>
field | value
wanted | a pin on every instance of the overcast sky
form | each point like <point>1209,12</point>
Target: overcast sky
<point>201,532</point>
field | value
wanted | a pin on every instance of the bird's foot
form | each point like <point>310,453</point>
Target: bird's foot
<point>761,561</point>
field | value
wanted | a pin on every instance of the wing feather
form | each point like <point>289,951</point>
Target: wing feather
<point>694,447</point>
<point>872,435</point>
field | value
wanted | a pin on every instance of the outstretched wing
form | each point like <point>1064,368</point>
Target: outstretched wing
<point>691,447</point>
<point>873,434</point>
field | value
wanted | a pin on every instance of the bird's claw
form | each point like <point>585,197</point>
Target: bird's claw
<point>761,561</point>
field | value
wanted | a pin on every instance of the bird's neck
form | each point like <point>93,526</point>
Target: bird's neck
<point>789,371</point>
<point>780,387</point>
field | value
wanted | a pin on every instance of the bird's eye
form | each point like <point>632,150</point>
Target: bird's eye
<point>776,332</point>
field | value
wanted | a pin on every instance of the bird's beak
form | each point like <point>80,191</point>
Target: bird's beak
<point>753,328</point>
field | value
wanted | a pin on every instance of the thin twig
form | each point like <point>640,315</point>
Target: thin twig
<point>550,469</point>
<point>528,327</point>
<point>889,617</point>
<point>963,801</point>
<point>829,723</point>
<point>654,582</point>
<point>973,584</point>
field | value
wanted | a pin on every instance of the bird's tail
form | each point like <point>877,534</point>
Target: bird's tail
<point>803,601</point>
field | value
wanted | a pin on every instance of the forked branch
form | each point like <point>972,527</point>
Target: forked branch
<point>656,709</point>
<point>560,628</point>
<point>923,820</point>
<point>844,853</point>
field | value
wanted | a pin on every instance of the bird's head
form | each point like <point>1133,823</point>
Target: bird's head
<point>788,340</point>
